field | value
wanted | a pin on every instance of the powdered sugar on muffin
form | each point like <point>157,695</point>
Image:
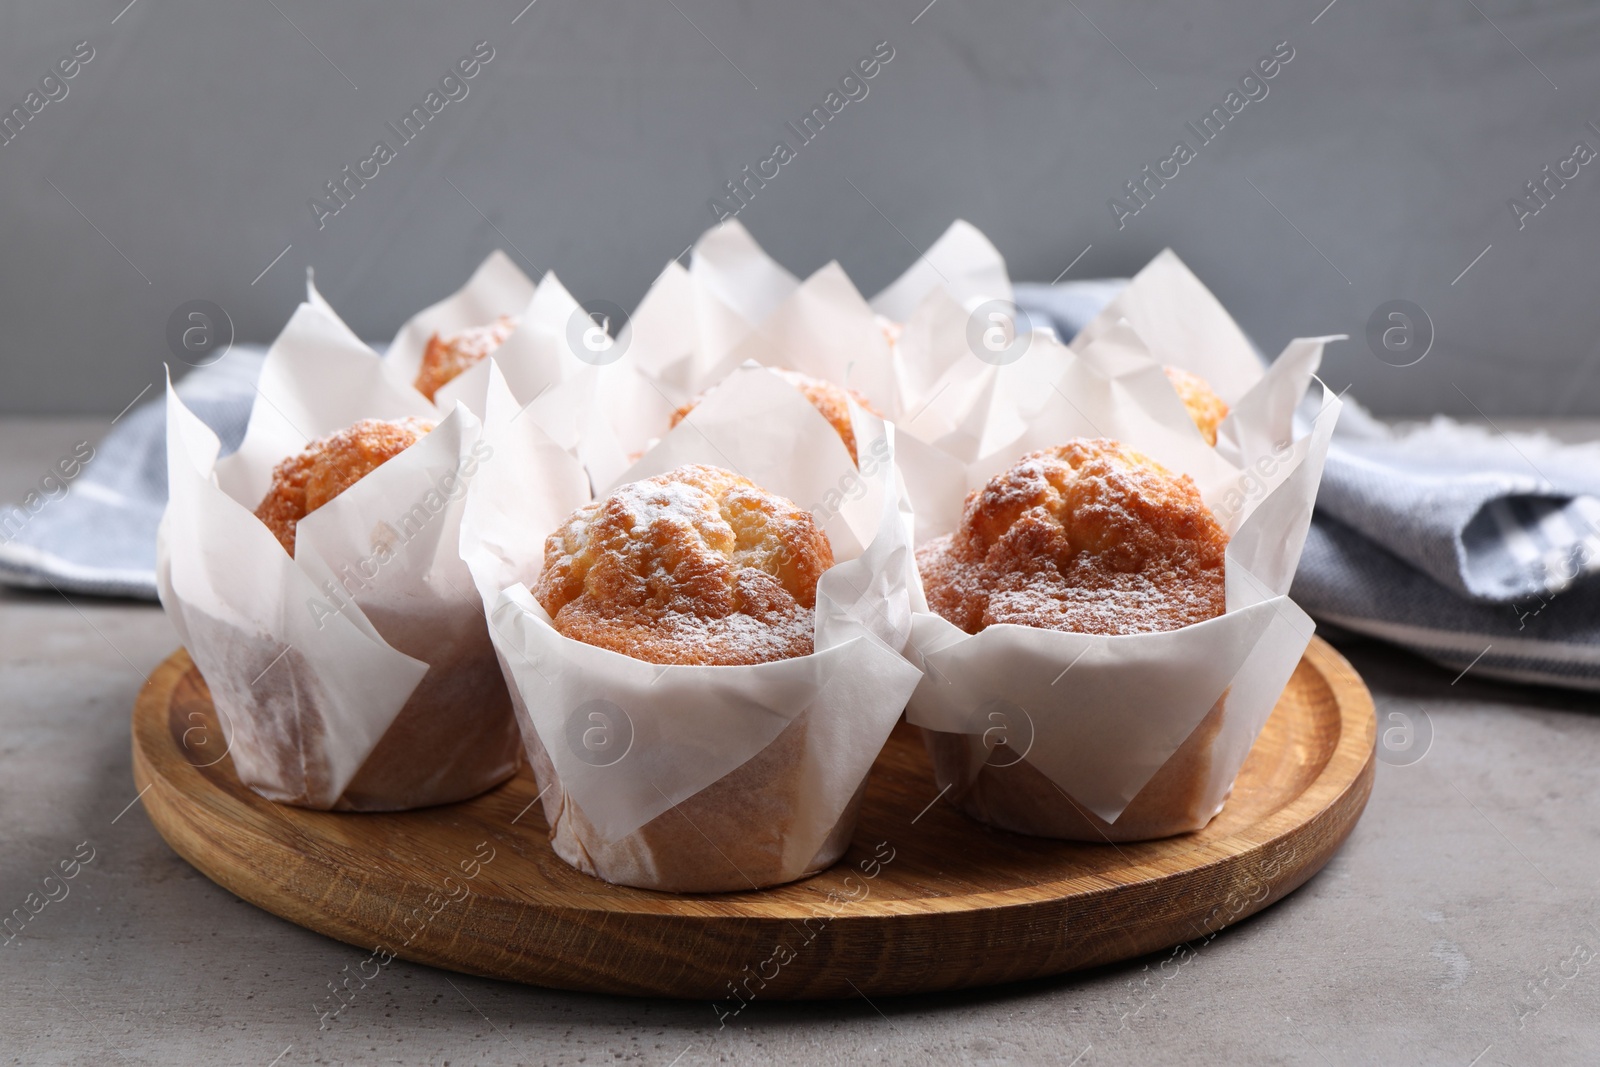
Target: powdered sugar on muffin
<point>1090,537</point>
<point>696,566</point>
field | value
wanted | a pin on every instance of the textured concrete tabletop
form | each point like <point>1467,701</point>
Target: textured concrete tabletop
<point>1459,925</point>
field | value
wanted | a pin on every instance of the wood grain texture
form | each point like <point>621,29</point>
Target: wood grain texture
<point>925,899</point>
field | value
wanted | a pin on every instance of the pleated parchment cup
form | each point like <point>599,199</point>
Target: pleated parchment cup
<point>734,304</point>
<point>357,674</point>
<point>1127,737</point>
<point>692,778</point>
<point>543,359</point>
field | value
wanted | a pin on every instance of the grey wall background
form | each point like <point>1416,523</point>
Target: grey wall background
<point>1388,149</point>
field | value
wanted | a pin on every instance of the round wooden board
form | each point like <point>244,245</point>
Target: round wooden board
<point>947,904</point>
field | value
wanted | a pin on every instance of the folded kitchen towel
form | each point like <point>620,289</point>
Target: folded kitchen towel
<point>1471,547</point>
<point>99,537</point>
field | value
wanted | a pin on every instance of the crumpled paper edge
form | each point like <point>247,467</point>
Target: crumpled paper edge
<point>1266,507</point>
<point>220,569</point>
<point>860,629</point>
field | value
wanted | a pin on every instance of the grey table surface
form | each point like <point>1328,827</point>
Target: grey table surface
<point>1459,924</point>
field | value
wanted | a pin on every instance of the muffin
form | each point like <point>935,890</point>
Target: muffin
<point>448,357</point>
<point>831,400</point>
<point>1088,537</point>
<point>327,467</point>
<point>1205,407</point>
<point>456,735</point>
<point>696,566</point>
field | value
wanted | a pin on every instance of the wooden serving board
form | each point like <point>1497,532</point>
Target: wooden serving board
<point>924,900</point>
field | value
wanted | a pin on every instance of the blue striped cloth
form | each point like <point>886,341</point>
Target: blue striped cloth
<point>1468,546</point>
<point>1474,548</point>
<point>99,537</point>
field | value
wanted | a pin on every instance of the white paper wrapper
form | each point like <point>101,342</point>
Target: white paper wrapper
<point>962,263</point>
<point>358,674</point>
<point>736,304</point>
<point>689,778</point>
<point>498,287</point>
<point>555,381</point>
<point>1135,736</point>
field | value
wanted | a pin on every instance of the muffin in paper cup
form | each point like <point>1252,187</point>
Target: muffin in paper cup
<point>1130,736</point>
<point>538,337</point>
<point>356,674</point>
<point>498,294</point>
<point>689,778</point>
<point>734,304</point>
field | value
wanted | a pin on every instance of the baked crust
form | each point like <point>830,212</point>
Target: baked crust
<point>1205,407</point>
<point>831,400</point>
<point>1090,537</point>
<point>696,566</point>
<point>447,357</point>
<point>327,467</point>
